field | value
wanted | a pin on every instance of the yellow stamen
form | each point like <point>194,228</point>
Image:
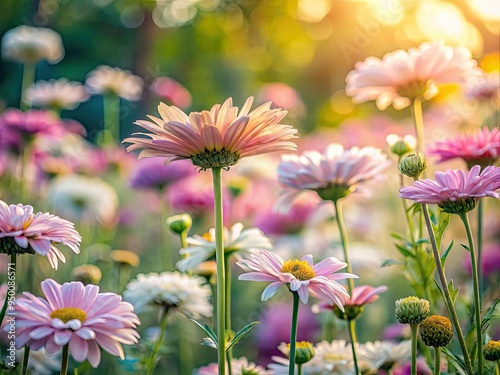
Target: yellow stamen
<point>69,313</point>
<point>298,268</point>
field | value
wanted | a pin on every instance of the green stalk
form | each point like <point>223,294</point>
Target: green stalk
<point>418,121</point>
<point>409,221</point>
<point>480,276</point>
<point>6,301</point>
<point>444,286</point>
<point>227,267</point>
<point>166,258</point>
<point>352,337</point>
<point>477,296</point>
<point>65,359</point>
<point>29,70</point>
<point>497,367</point>
<point>437,360</point>
<point>299,369</point>
<point>151,364</point>
<point>414,330</point>
<point>111,132</point>
<point>185,353</point>
<point>26,357</point>
<point>343,238</point>
<point>293,333</point>
<point>221,272</point>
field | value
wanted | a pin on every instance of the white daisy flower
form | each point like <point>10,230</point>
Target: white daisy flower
<point>239,366</point>
<point>237,240</point>
<point>108,80</point>
<point>189,295</point>
<point>386,353</point>
<point>57,94</point>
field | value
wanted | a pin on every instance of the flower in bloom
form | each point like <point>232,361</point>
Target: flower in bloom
<point>486,89</point>
<point>217,138</point>
<point>319,280</point>
<point>39,362</point>
<point>187,294</point>
<point>77,315</point>
<point>282,96</point>
<point>24,232</point>
<point>333,174</point>
<point>237,240</point>
<point>405,368</point>
<point>482,149</point>
<point>108,80</point>
<point>401,76</point>
<point>455,191</point>
<point>490,261</point>
<point>239,366</point>
<point>28,44</point>
<point>56,94</point>
<point>387,353</point>
<point>172,91</point>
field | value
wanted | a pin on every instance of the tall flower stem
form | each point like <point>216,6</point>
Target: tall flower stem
<point>111,132</point>
<point>409,221</point>
<point>293,333</point>
<point>477,296</point>
<point>166,259</point>
<point>480,250</point>
<point>444,286</point>
<point>437,360</point>
<point>65,359</point>
<point>26,357</point>
<point>227,268</point>
<point>344,241</point>
<point>414,330</point>
<point>299,369</point>
<point>221,272</point>
<point>418,121</point>
<point>352,337</point>
<point>151,364</point>
<point>12,265</point>
<point>28,78</point>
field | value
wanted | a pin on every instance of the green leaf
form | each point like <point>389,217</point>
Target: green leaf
<point>455,360</point>
<point>443,220</point>
<point>397,236</point>
<point>492,314</point>
<point>453,291</point>
<point>404,251</point>
<point>447,251</point>
<point>206,328</point>
<point>390,262</point>
<point>421,241</point>
<point>239,335</point>
<point>465,247</point>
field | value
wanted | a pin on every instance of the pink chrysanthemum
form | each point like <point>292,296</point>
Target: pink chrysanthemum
<point>301,276</point>
<point>455,191</point>
<point>77,315</point>
<point>481,149</point>
<point>402,76</point>
<point>23,232</point>
<point>333,174</point>
<point>217,138</point>
<point>361,295</point>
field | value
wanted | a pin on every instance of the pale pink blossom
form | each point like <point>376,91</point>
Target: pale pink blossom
<point>172,91</point>
<point>77,315</point>
<point>361,295</point>
<point>486,89</point>
<point>301,276</point>
<point>23,231</point>
<point>283,96</point>
<point>401,76</point>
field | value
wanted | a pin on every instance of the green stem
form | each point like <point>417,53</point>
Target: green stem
<point>497,367</point>
<point>437,360</point>
<point>409,221</point>
<point>444,286</point>
<point>343,238</point>
<point>418,120</point>
<point>166,260</point>
<point>299,369</point>
<point>293,333</point>
<point>185,353</point>
<point>151,364</point>
<point>480,250</point>
<point>477,296</point>
<point>26,357</point>
<point>352,337</point>
<point>111,132</point>
<point>65,359</point>
<point>11,265</point>
<point>221,273</point>
<point>414,329</point>
<point>227,268</point>
<point>29,70</point>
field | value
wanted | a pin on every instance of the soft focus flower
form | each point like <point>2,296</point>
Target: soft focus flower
<point>87,274</point>
<point>26,44</point>
<point>335,356</point>
<point>490,261</point>
<point>125,258</point>
<point>455,191</point>
<point>283,96</point>
<point>56,94</point>
<point>333,174</point>
<point>482,149</point>
<point>180,223</point>
<point>215,138</point>
<point>172,91</point>
<point>23,232</point>
<point>107,80</point>
<point>39,363</point>
<point>492,350</point>
<point>396,332</point>
<point>83,198</point>
<point>237,240</point>
<point>304,351</point>
<point>77,315</point>
<point>319,280</point>
<point>188,294</point>
<point>402,76</point>
<point>486,89</point>
<point>405,368</point>
<point>401,145</point>
<point>153,173</point>
<point>239,366</point>
<point>387,353</point>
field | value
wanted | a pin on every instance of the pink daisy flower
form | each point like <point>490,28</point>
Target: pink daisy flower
<point>301,276</point>
<point>23,232</point>
<point>481,149</point>
<point>77,315</point>
<point>401,76</point>
<point>172,91</point>
<point>333,174</point>
<point>455,191</point>
<point>361,295</point>
<point>217,138</point>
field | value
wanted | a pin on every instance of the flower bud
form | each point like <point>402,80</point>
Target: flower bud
<point>491,351</point>
<point>180,223</point>
<point>413,165</point>
<point>125,257</point>
<point>436,331</point>
<point>412,310</point>
<point>401,145</point>
<point>87,274</point>
<point>304,351</point>
<point>351,312</point>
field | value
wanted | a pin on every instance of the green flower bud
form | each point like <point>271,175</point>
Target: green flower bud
<point>334,193</point>
<point>87,274</point>
<point>412,310</point>
<point>180,223</point>
<point>460,206</point>
<point>351,312</point>
<point>491,351</point>
<point>125,257</point>
<point>304,351</point>
<point>401,145</point>
<point>436,331</point>
<point>413,165</point>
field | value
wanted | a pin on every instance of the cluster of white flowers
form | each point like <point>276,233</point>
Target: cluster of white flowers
<point>108,80</point>
<point>58,94</point>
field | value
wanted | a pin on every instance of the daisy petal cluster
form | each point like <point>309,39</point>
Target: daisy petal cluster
<point>239,366</point>
<point>482,149</point>
<point>57,94</point>
<point>187,294</point>
<point>238,240</point>
<point>302,276</point>
<point>387,354</point>
<point>455,191</point>
<point>77,315</point>
<point>24,232</point>
<point>214,139</point>
<point>108,80</point>
<point>401,76</point>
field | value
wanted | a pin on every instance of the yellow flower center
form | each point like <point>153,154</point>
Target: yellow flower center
<point>69,313</point>
<point>298,268</point>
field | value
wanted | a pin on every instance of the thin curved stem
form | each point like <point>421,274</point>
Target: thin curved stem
<point>29,70</point>
<point>293,333</point>
<point>418,121</point>
<point>151,364</point>
<point>480,250</point>
<point>344,241</point>
<point>227,267</point>
<point>444,286</point>
<point>111,131</point>
<point>352,337</point>
<point>12,278</point>
<point>437,361</point>
<point>409,221</point>
<point>477,295</point>
<point>414,329</point>
<point>65,359</point>
<point>26,357</point>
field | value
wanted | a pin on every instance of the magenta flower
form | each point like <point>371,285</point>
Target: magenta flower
<point>302,276</point>
<point>217,138</point>
<point>23,232</point>
<point>481,149</point>
<point>77,315</point>
<point>455,191</point>
<point>172,91</point>
<point>361,295</point>
<point>402,76</point>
